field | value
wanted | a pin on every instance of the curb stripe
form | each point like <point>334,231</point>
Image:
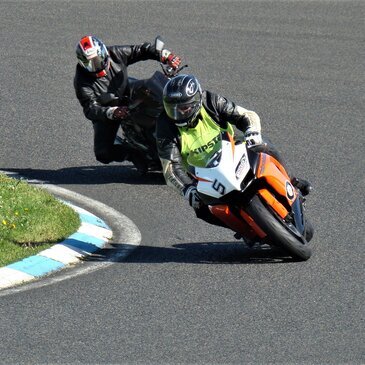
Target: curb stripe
<point>10,277</point>
<point>36,265</point>
<point>82,237</point>
<point>95,231</point>
<point>87,218</point>
<point>63,254</point>
<point>84,247</point>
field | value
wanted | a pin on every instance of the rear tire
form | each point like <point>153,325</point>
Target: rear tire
<point>277,234</point>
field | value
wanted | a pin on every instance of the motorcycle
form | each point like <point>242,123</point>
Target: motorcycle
<point>144,101</point>
<point>251,193</point>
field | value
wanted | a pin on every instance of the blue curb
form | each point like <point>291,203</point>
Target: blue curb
<point>85,247</point>
<point>93,220</point>
<point>36,265</point>
<point>78,238</point>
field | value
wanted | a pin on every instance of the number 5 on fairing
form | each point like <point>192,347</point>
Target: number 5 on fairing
<point>217,186</point>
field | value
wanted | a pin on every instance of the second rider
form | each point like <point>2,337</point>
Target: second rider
<point>102,70</point>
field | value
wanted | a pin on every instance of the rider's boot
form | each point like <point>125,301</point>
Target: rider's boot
<point>249,243</point>
<point>154,166</point>
<point>238,236</point>
<point>139,161</point>
<point>303,185</point>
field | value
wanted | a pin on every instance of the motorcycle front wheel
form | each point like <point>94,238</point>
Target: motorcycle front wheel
<point>276,231</point>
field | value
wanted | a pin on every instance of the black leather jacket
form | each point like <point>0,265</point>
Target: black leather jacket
<point>88,87</point>
<point>168,137</point>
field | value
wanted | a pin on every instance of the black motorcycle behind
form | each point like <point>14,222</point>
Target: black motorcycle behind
<point>144,101</point>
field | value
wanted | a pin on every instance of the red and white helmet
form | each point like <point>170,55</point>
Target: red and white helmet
<point>93,55</point>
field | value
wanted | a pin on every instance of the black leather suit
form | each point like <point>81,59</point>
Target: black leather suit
<point>89,88</point>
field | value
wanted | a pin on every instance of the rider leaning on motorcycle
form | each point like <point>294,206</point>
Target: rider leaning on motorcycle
<point>102,70</point>
<point>189,112</point>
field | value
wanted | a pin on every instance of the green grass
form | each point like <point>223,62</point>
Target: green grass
<point>31,220</point>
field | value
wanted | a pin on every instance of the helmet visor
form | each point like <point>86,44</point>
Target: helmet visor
<point>182,111</point>
<point>96,63</point>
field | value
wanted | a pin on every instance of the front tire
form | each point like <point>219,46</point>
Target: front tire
<point>276,231</point>
<point>309,230</point>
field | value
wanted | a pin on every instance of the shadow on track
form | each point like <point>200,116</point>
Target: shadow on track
<point>193,253</point>
<point>92,175</point>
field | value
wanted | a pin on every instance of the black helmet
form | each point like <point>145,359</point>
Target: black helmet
<point>92,55</point>
<point>182,99</point>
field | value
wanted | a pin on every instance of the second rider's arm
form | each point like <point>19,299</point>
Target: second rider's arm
<point>88,89</point>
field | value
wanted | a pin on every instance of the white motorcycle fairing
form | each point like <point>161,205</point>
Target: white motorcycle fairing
<point>223,169</point>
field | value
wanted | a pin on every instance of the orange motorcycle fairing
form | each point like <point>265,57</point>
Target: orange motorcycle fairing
<point>276,176</point>
<point>245,226</point>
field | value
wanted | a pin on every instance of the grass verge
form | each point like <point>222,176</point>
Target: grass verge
<point>31,220</point>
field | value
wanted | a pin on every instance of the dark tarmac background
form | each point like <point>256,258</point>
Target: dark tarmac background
<point>191,293</point>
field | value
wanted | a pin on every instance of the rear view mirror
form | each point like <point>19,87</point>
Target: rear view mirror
<point>159,44</point>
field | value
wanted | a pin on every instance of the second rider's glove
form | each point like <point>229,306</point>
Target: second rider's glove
<point>191,195</point>
<point>252,137</point>
<point>118,113</point>
<point>170,59</point>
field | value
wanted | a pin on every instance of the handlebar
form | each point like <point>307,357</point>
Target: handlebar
<point>170,71</point>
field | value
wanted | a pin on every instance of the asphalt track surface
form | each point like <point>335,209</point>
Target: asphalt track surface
<point>191,293</point>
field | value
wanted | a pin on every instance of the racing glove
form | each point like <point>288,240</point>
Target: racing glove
<point>191,195</point>
<point>252,137</point>
<point>170,59</point>
<point>118,113</point>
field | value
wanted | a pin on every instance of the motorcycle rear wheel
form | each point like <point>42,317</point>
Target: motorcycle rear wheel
<point>276,231</point>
